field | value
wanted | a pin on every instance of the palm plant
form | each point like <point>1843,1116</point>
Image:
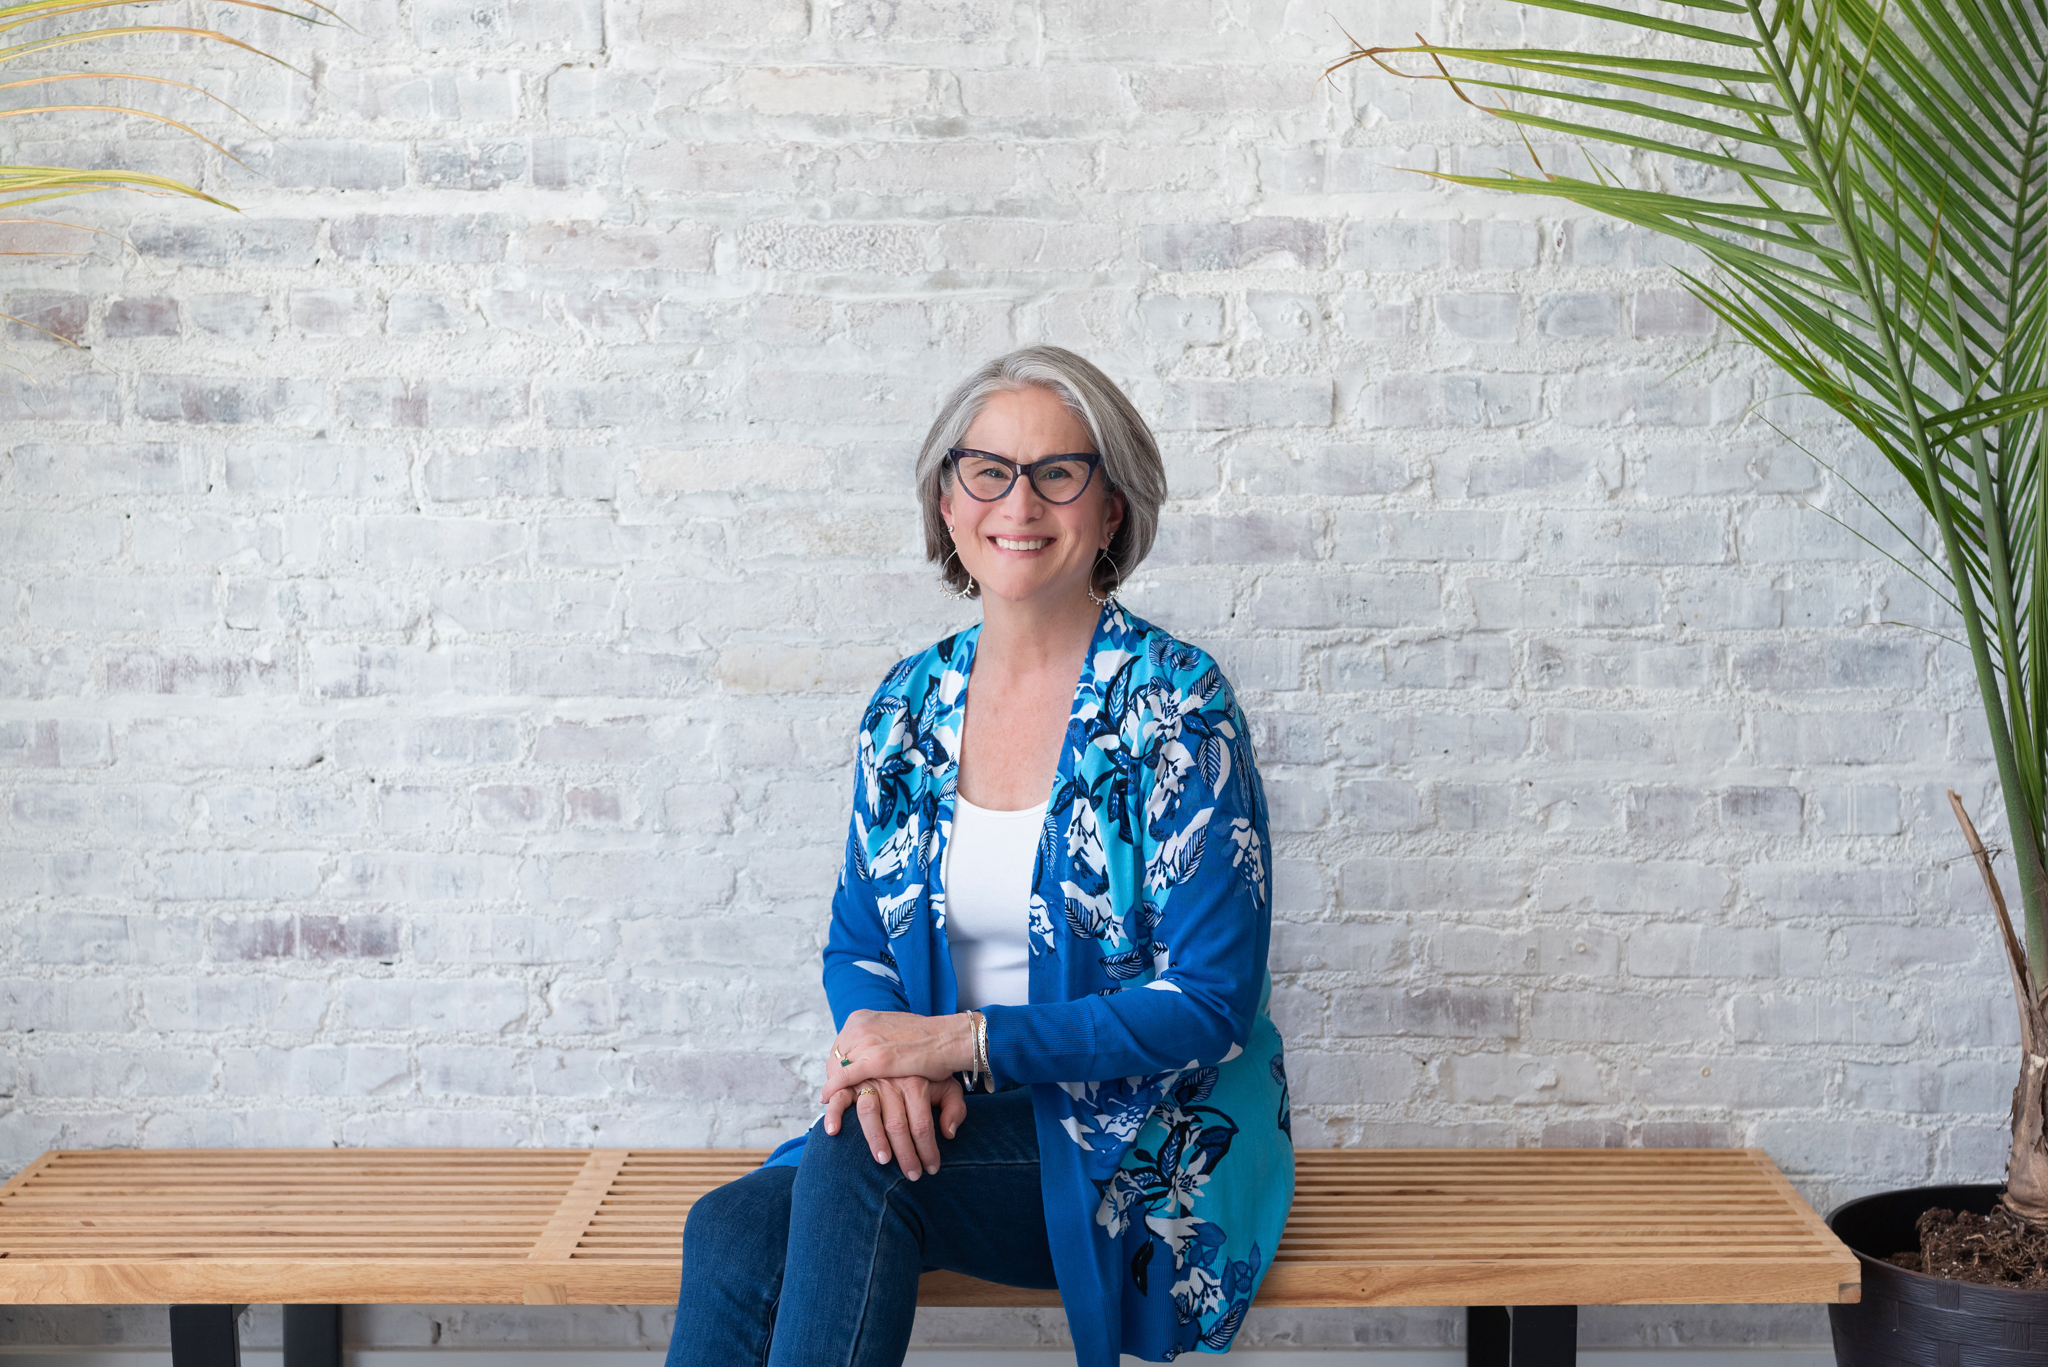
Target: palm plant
<point>27,39</point>
<point>1880,232</point>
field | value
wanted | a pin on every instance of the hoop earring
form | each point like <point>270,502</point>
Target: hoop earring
<point>967,592</point>
<point>1105,602</point>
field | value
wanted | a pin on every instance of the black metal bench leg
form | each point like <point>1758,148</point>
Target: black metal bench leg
<point>1544,1336</point>
<point>312,1336</point>
<point>1486,1336</point>
<point>205,1336</point>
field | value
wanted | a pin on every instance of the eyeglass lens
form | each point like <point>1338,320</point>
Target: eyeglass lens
<point>988,479</point>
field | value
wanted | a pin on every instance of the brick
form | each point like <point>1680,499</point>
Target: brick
<point>219,241</point>
<point>1256,538</point>
<point>1371,318</point>
<point>1579,314</point>
<point>76,937</point>
<point>553,608</point>
<point>1545,601</point>
<point>1494,245</point>
<point>604,246</point>
<point>331,313</point>
<point>85,470</point>
<point>1581,663</point>
<point>416,313</point>
<point>197,674</point>
<point>1637,399</point>
<point>563,25</point>
<point>471,164</point>
<point>353,671</point>
<point>1395,245</point>
<point>1213,405</point>
<point>61,1007</point>
<point>197,399</point>
<point>1457,400</point>
<point>1252,244</point>
<point>1382,170</point>
<point>1638,538</point>
<point>570,163</point>
<point>235,876</point>
<point>398,543</point>
<point>1605,886</point>
<point>1441,1012</point>
<point>1479,316</point>
<point>1900,1153</point>
<point>1424,884</point>
<point>436,741</point>
<point>321,164</point>
<point>1450,536</point>
<point>142,316</point>
<point>437,404</point>
<point>1337,600</point>
<point>1861,663</point>
<point>80,398</point>
<point>376,95</point>
<point>1336,470</point>
<point>1588,1017</point>
<point>414,240</point>
<point>1055,96</point>
<point>240,317</point>
<point>46,316</point>
<point>1522,1080</point>
<point>1672,313</point>
<point>475,1005</point>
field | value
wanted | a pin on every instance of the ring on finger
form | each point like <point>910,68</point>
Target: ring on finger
<point>845,1060</point>
<point>867,1089</point>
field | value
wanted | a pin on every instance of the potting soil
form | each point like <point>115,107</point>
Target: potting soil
<point>1993,1250</point>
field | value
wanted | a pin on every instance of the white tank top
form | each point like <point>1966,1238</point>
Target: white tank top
<point>988,869</point>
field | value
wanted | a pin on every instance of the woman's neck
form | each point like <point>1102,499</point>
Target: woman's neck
<point>1027,638</point>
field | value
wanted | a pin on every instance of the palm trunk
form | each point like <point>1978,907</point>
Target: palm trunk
<point>2026,1177</point>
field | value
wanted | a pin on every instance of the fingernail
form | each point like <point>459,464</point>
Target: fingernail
<point>913,1175</point>
<point>881,1156</point>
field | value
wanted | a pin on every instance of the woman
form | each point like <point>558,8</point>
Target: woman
<point>1050,930</point>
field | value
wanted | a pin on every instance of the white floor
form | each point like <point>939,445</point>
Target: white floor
<point>43,1357</point>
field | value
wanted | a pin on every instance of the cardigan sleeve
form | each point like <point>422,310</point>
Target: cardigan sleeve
<point>1215,925</point>
<point>860,970</point>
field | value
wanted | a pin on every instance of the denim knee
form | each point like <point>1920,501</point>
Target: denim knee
<point>740,1229</point>
<point>844,1163</point>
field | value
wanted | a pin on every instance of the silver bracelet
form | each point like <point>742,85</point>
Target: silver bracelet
<point>972,1072</point>
<point>988,1082</point>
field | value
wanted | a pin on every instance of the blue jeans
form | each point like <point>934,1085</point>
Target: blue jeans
<point>841,1240</point>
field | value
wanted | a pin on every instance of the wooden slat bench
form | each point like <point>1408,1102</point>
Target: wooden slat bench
<point>1540,1230</point>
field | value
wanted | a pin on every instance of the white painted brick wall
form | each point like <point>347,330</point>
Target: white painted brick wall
<point>436,603</point>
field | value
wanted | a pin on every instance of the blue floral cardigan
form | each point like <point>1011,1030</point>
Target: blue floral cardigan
<point>1157,1079</point>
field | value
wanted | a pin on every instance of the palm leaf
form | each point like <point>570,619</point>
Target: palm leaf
<point>1886,247</point>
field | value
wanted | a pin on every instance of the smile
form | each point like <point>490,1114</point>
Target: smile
<point>1037,544</point>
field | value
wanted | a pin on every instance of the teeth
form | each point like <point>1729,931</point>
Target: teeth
<point>1010,545</point>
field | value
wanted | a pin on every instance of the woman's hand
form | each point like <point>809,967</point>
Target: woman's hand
<point>896,1116</point>
<point>898,1044</point>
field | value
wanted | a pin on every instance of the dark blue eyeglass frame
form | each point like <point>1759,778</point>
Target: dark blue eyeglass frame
<point>1093,461</point>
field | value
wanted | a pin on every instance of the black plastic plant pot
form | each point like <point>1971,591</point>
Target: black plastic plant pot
<point>1908,1319</point>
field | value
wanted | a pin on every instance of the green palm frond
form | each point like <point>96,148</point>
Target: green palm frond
<point>1884,241</point>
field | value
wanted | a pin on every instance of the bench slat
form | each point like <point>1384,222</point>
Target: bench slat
<point>604,1226</point>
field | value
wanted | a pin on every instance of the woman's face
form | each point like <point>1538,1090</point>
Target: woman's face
<point>1023,547</point>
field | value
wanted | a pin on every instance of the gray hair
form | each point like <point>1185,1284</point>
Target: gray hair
<point>1130,457</point>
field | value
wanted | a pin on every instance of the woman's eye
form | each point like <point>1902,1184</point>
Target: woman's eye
<point>1054,474</point>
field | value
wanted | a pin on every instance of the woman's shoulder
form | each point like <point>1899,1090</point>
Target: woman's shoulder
<point>920,678</point>
<point>1154,655</point>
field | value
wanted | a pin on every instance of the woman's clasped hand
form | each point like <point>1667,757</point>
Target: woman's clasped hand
<point>893,1069</point>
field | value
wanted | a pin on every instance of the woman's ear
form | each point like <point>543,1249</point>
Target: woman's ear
<point>1112,515</point>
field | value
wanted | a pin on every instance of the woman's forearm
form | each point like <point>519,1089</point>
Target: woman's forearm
<point>1129,1034</point>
